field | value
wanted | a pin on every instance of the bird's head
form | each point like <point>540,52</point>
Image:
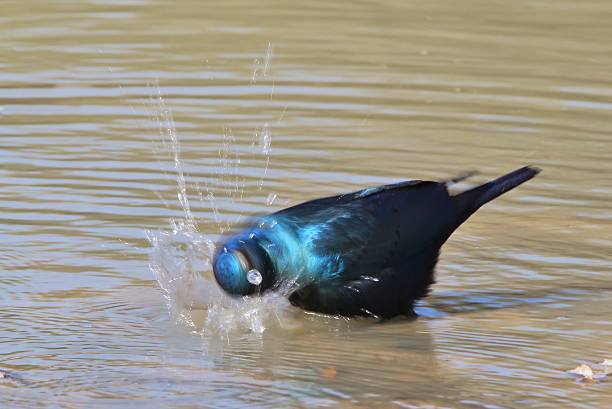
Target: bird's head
<point>242,266</point>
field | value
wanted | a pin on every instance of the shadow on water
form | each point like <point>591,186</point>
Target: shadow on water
<point>442,303</point>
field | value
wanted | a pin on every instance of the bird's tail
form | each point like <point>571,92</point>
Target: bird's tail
<point>471,200</point>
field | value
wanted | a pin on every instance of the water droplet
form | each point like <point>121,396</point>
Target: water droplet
<point>265,140</point>
<point>271,198</point>
<point>254,277</point>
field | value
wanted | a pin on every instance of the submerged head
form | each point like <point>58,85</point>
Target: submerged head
<point>243,267</point>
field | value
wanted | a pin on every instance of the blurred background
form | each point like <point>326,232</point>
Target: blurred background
<point>133,132</point>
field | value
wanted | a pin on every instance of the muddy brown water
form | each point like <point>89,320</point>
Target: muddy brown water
<point>350,94</point>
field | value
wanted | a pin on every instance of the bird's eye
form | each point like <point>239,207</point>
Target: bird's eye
<point>254,277</point>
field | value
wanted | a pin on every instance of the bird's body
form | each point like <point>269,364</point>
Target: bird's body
<point>370,252</point>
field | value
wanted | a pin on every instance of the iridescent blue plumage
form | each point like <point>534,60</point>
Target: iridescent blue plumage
<point>371,252</point>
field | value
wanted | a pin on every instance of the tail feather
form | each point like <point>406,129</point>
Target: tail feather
<point>471,200</point>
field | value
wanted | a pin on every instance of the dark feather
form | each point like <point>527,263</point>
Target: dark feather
<point>370,252</point>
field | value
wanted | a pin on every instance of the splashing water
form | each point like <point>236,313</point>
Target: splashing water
<point>181,257</point>
<point>180,261</point>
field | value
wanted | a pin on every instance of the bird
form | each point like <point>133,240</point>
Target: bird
<point>367,253</point>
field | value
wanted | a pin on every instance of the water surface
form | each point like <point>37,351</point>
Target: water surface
<point>273,103</point>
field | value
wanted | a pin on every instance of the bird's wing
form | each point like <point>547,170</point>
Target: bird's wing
<point>314,206</point>
<point>352,225</point>
<point>363,232</point>
<point>390,292</point>
<point>374,249</point>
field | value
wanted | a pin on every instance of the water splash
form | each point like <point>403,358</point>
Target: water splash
<point>167,130</point>
<point>271,198</point>
<point>265,140</point>
<point>180,261</point>
<point>264,137</point>
<point>263,68</point>
<point>181,257</point>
